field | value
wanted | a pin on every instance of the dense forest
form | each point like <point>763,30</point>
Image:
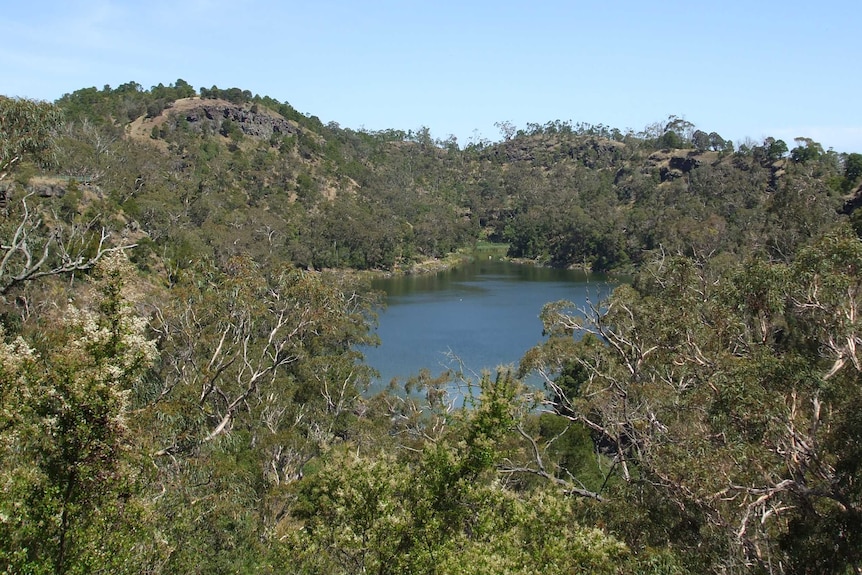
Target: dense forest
<point>180,313</point>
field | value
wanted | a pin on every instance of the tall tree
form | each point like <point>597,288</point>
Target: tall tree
<point>731,396</point>
<point>852,170</point>
<point>35,242</point>
<point>259,373</point>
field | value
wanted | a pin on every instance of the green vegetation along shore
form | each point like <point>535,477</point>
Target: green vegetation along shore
<point>181,391</point>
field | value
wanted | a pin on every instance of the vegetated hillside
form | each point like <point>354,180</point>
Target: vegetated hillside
<point>179,393</point>
<point>213,176</point>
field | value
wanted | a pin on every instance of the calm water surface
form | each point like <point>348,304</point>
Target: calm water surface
<point>485,313</point>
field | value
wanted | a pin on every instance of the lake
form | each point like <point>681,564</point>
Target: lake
<point>484,313</point>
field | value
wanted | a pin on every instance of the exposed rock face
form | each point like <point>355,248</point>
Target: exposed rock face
<point>674,164</point>
<point>5,194</point>
<point>666,174</point>
<point>852,202</point>
<point>684,164</point>
<point>43,188</point>
<point>48,189</point>
<point>251,121</point>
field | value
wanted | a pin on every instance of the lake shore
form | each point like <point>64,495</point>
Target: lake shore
<point>482,251</point>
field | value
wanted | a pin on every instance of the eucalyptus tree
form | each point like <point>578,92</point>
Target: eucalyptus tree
<point>733,396</point>
<point>259,374</point>
<point>441,508</point>
<point>25,131</point>
<point>35,241</point>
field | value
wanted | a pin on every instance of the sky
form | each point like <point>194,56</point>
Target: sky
<point>745,69</point>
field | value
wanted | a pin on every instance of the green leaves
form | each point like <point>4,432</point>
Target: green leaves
<point>443,511</point>
<point>729,393</point>
<point>64,435</point>
<point>25,130</point>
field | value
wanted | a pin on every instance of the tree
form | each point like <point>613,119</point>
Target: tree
<point>244,339</point>
<point>230,129</point>
<point>852,170</point>
<point>25,131</point>
<point>731,396</point>
<point>35,241</point>
<point>701,140</point>
<point>671,140</point>
<point>681,127</point>
<point>442,511</point>
<point>68,503</point>
<point>807,150</point>
<point>774,149</point>
<point>183,89</point>
<point>36,244</point>
<point>717,143</point>
<point>258,375</point>
<point>507,129</point>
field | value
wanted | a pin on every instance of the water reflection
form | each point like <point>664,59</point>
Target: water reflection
<point>484,314</point>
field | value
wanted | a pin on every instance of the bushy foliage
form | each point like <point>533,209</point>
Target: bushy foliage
<point>442,513</point>
<point>25,127</point>
<point>68,475</point>
<point>730,395</point>
<point>707,420</point>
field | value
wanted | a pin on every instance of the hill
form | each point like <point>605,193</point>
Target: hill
<point>182,391</point>
<point>227,163</point>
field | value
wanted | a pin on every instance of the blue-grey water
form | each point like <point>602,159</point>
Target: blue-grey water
<point>476,317</point>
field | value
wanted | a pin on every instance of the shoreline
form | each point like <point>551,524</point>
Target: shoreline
<point>454,259</point>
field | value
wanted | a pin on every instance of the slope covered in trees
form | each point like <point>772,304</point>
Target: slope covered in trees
<point>180,390</point>
<point>229,172</point>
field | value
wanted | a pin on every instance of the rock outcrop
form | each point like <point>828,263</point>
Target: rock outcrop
<point>672,164</point>
<point>852,202</point>
<point>252,121</point>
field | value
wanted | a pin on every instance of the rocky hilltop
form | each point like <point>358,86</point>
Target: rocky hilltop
<point>205,115</point>
<point>251,120</point>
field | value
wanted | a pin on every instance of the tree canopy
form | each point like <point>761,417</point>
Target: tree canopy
<point>25,130</point>
<point>182,388</point>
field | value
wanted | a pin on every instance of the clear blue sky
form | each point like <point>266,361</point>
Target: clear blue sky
<point>746,69</point>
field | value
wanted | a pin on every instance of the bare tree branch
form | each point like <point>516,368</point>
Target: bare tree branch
<point>32,253</point>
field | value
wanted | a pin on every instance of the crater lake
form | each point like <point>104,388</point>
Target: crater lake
<point>477,316</point>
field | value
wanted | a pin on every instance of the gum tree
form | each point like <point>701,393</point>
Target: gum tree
<point>734,397</point>
<point>34,241</point>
